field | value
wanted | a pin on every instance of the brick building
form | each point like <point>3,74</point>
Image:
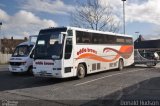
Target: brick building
<point>8,45</point>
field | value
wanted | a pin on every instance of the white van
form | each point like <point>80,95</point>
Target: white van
<point>22,58</point>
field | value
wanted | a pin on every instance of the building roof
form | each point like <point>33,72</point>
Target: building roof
<point>140,43</point>
<point>8,45</point>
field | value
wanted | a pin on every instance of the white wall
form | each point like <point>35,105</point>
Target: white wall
<point>4,58</point>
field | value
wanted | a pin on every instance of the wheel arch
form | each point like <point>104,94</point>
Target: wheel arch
<point>121,59</point>
<point>120,64</point>
<point>85,65</point>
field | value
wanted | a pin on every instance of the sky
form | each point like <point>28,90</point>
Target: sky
<point>21,18</point>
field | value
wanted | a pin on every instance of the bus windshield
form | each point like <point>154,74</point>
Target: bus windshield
<point>22,51</point>
<point>47,45</point>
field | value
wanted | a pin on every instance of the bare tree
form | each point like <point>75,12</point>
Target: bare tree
<point>94,16</point>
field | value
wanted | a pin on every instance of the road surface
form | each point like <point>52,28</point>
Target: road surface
<point>105,88</point>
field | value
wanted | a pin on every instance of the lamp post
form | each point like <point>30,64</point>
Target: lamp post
<point>124,30</point>
<point>0,37</point>
<point>137,34</point>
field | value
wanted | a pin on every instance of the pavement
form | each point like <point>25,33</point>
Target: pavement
<point>107,88</point>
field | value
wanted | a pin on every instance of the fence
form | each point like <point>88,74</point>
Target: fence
<point>4,58</point>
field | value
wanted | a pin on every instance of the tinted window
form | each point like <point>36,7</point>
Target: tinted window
<point>68,48</point>
<point>129,41</point>
<point>83,37</point>
<point>22,51</point>
<point>70,33</point>
<point>95,38</point>
<point>110,39</point>
<point>79,35</point>
<point>120,40</point>
<point>47,46</point>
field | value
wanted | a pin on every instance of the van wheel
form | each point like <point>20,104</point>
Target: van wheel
<point>81,71</point>
<point>154,64</point>
<point>120,65</point>
<point>30,70</point>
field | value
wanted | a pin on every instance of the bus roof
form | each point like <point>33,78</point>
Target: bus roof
<point>89,30</point>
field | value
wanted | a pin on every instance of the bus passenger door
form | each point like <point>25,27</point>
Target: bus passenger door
<point>68,58</point>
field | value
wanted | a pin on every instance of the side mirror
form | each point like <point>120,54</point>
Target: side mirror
<point>31,56</point>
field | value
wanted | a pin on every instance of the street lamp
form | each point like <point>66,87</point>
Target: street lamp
<point>137,33</point>
<point>0,25</point>
<point>124,30</point>
<point>0,37</point>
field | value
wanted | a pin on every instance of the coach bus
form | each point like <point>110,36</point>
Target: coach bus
<point>68,52</point>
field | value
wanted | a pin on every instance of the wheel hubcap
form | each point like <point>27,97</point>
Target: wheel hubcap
<point>81,71</point>
<point>121,65</point>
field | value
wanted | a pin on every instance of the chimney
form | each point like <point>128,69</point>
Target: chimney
<point>139,39</point>
<point>25,38</point>
<point>12,38</point>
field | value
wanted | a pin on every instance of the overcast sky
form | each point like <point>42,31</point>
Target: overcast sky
<point>26,17</point>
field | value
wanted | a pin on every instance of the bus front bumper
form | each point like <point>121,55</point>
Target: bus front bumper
<point>47,74</point>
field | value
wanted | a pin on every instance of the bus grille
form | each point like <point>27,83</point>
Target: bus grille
<point>45,74</point>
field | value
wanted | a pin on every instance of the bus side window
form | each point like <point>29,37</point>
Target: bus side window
<point>68,48</point>
<point>129,41</point>
<point>108,39</point>
<point>95,38</point>
<point>79,36</point>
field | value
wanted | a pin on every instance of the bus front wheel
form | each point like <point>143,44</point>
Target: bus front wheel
<point>81,71</point>
<point>120,65</point>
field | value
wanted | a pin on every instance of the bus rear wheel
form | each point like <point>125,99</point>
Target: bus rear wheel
<point>120,65</point>
<point>81,71</point>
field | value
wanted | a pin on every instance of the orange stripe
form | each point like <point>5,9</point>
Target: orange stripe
<point>98,58</point>
<point>125,52</point>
